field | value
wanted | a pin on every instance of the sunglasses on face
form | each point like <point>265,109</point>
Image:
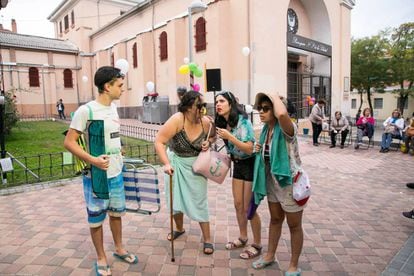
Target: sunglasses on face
<point>201,105</point>
<point>264,108</point>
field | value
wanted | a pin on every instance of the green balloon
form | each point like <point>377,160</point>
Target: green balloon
<point>192,66</point>
<point>198,73</point>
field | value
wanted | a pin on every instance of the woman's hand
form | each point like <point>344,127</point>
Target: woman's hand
<point>205,145</point>
<point>168,169</point>
<point>257,147</point>
<point>223,133</point>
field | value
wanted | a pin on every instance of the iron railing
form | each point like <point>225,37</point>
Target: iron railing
<point>53,166</point>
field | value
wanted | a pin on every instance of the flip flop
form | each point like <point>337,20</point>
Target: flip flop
<point>127,257</point>
<point>208,245</point>
<point>261,263</point>
<point>176,234</point>
<point>101,267</point>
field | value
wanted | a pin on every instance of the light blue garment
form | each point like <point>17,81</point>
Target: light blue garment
<point>244,132</point>
<point>189,189</point>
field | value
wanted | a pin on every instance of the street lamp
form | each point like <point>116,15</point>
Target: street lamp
<point>195,6</point>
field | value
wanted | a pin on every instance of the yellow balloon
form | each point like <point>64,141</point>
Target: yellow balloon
<point>184,69</point>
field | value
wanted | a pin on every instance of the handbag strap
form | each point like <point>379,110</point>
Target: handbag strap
<point>209,130</point>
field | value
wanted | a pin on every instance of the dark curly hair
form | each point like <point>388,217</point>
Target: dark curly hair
<point>235,110</point>
<point>187,100</point>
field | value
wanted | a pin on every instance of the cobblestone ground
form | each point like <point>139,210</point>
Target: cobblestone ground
<point>353,225</point>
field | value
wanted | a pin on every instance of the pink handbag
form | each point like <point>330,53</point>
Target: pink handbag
<point>212,164</point>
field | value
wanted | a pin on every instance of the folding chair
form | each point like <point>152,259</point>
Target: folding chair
<point>142,194</point>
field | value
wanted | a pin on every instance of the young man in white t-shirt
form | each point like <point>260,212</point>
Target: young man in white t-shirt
<point>109,81</point>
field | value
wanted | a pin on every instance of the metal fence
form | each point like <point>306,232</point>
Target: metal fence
<point>54,166</point>
<point>147,134</point>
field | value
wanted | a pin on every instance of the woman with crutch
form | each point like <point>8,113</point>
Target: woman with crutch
<point>185,134</point>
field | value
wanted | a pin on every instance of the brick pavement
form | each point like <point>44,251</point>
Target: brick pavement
<point>353,225</point>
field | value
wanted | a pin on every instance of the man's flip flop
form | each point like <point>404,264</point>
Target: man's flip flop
<point>105,268</point>
<point>261,263</point>
<point>128,258</point>
<point>176,234</point>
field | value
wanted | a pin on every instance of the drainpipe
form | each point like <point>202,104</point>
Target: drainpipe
<point>77,77</point>
<point>249,81</point>
<point>44,91</point>
<point>153,45</point>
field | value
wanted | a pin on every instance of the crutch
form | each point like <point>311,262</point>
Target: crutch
<point>171,220</point>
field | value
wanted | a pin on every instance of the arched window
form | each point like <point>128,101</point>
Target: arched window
<point>163,46</point>
<point>67,78</point>
<point>134,55</point>
<point>200,37</point>
<point>34,77</point>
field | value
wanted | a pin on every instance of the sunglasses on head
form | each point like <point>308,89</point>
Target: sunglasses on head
<point>225,93</point>
<point>264,108</point>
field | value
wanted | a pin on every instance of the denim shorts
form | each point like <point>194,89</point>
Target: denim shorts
<point>97,208</point>
<point>243,168</point>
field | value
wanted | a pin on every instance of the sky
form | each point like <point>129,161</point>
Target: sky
<point>368,16</point>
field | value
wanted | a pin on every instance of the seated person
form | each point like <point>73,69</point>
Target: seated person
<point>409,135</point>
<point>365,126</point>
<point>339,125</point>
<point>393,127</point>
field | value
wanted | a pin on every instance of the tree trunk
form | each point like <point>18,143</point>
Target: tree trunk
<point>369,100</point>
<point>359,108</point>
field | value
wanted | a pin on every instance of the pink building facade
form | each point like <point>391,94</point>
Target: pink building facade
<point>298,48</point>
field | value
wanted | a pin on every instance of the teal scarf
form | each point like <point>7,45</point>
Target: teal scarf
<point>279,163</point>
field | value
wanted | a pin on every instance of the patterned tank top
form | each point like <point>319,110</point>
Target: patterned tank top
<point>183,147</point>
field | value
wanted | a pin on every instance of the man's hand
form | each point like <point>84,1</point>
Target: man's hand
<point>101,161</point>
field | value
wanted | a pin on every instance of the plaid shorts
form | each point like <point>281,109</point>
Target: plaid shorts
<point>97,208</point>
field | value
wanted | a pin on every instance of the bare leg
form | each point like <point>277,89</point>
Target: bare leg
<point>238,191</point>
<point>277,216</point>
<point>205,229</point>
<point>294,221</point>
<point>255,222</point>
<point>116,229</point>
<point>179,222</point>
<point>97,239</point>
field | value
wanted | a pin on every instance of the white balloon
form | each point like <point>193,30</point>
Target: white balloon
<point>85,78</point>
<point>122,64</point>
<point>186,60</point>
<point>248,108</point>
<point>246,51</point>
<point>150,86</point>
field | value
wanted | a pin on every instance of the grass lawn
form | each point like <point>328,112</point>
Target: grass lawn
<point>39,146</point>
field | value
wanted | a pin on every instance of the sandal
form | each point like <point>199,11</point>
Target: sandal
<point>294,273</point>
<point>176,234</point>
<point>236,244</point>
<point>251,252</point>
<point>128,258</point>
<point>105,268</point>
<point>208,245</point>
<point>261,263</point>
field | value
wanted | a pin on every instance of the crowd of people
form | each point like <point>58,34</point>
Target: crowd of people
<point>267,167</point>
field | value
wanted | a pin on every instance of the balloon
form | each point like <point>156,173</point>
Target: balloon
<point>184,69</point>
<point>198,72</point>
<point>186,60</point>
<point>308,97</point>
<point>150,86</point>
<point>311,103</point>
<point>248,108</point>
<point>196,87</point>
<point>313,99</point>
<point>85,79</point>
<point>122,65</point>
<point>192,66</point>
<point>245,51</point>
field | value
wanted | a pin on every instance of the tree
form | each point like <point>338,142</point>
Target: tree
<point>401,64</point>
<point>369,65</point>
<point>11,113</point>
